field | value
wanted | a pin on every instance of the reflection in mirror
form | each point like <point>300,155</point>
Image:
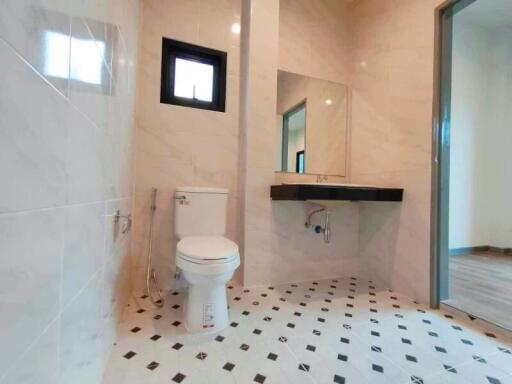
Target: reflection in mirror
<point>293,141</point>
<point>312,125</point>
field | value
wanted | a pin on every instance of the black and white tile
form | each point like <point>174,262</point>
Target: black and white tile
<point>343,330</point>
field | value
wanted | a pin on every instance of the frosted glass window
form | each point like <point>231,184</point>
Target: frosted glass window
<point>87,63</point>
<point>193,80</point>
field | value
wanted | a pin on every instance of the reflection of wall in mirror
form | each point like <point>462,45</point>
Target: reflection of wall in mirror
<point>326,120</point>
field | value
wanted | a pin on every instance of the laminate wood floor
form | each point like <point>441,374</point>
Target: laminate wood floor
<point>481,285</point>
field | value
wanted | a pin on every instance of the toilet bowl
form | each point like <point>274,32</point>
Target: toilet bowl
<point>207,264</point>
<point>206,258</point>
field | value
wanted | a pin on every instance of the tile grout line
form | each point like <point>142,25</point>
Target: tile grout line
<point>61,206</point>
<point>50,323</point>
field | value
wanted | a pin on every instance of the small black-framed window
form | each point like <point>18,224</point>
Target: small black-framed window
<point>193,76</point>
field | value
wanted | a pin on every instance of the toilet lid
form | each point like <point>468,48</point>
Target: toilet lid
<point>207,248</point>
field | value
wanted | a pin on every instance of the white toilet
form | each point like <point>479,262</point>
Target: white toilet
<point>205,257</point>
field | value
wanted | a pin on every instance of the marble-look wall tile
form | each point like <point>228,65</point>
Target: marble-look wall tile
<point>277,246</point>
<point>33,127</point>
<point>65,144</point>
<point>314,38</point>
<point>31,249</point>
<point>92,94</point>
<point>26,24</point>
<point>179,146</point>
<point>116,278</point>
<point>40,364</point>
<point>84,247</point>
<point>80,336</point>
<point>85,159</point>
<point>392,75</point>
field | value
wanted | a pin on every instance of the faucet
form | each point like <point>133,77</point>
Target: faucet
<point>326,228</point>
<point>320,178</point>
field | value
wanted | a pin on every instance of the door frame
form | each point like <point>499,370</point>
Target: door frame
<point>441,148</point>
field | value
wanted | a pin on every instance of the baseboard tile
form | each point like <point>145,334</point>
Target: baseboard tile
<point>480,248</point>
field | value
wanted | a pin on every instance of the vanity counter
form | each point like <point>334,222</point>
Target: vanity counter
<point>319,191</point>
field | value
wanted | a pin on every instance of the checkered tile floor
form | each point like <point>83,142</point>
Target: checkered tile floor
<point>333,331</point>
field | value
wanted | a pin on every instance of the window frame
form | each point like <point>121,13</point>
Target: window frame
<point>172,50</point>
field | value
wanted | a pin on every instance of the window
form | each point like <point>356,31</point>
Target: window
<point>193,76</point>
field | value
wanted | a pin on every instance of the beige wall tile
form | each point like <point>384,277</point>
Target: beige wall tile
<point>178,146</point>
<point>392,83</point>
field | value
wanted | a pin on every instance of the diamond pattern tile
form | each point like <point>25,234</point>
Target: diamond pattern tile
<point>345,331</point>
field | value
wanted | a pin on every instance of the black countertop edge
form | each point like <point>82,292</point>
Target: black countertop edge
<point>302,192</point>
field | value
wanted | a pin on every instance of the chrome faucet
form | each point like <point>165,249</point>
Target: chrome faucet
<point>320,178</point>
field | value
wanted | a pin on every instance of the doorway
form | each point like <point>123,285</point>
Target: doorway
<point>472,168</point>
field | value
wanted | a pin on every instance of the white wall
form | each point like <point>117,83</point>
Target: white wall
<point>500,177</point>
<point>480,134</point>
<point>65,166</point>
<point>469,136</point>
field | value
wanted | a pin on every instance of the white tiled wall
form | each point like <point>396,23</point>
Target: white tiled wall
<point>65,166</point>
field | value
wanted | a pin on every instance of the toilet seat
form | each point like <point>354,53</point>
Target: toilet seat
<point>207,250</point>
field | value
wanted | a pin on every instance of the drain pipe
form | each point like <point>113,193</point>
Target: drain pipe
<point>326,228</point>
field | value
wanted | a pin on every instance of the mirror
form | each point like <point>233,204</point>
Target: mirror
<point>312,120</point>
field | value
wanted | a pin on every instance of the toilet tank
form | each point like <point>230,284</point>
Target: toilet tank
<point>200,211</point>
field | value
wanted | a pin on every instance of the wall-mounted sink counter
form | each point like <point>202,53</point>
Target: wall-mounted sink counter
<point>320,191</point>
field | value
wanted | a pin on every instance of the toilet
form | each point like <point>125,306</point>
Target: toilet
<point>206,258</point>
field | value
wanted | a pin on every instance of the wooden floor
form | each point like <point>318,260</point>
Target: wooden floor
<point>481,285</point>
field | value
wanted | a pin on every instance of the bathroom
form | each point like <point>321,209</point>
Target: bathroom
<point>152,227</point>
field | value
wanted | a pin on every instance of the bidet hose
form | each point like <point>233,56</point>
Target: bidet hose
<point>151,281</point>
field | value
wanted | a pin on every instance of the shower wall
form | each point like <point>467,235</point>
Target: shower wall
<point>67,80</point>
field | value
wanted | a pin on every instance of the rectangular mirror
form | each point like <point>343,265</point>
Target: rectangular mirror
<point>312,121</point>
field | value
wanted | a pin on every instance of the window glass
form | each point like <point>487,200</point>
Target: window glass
<point>193,76</point>
<point>193,80</point>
